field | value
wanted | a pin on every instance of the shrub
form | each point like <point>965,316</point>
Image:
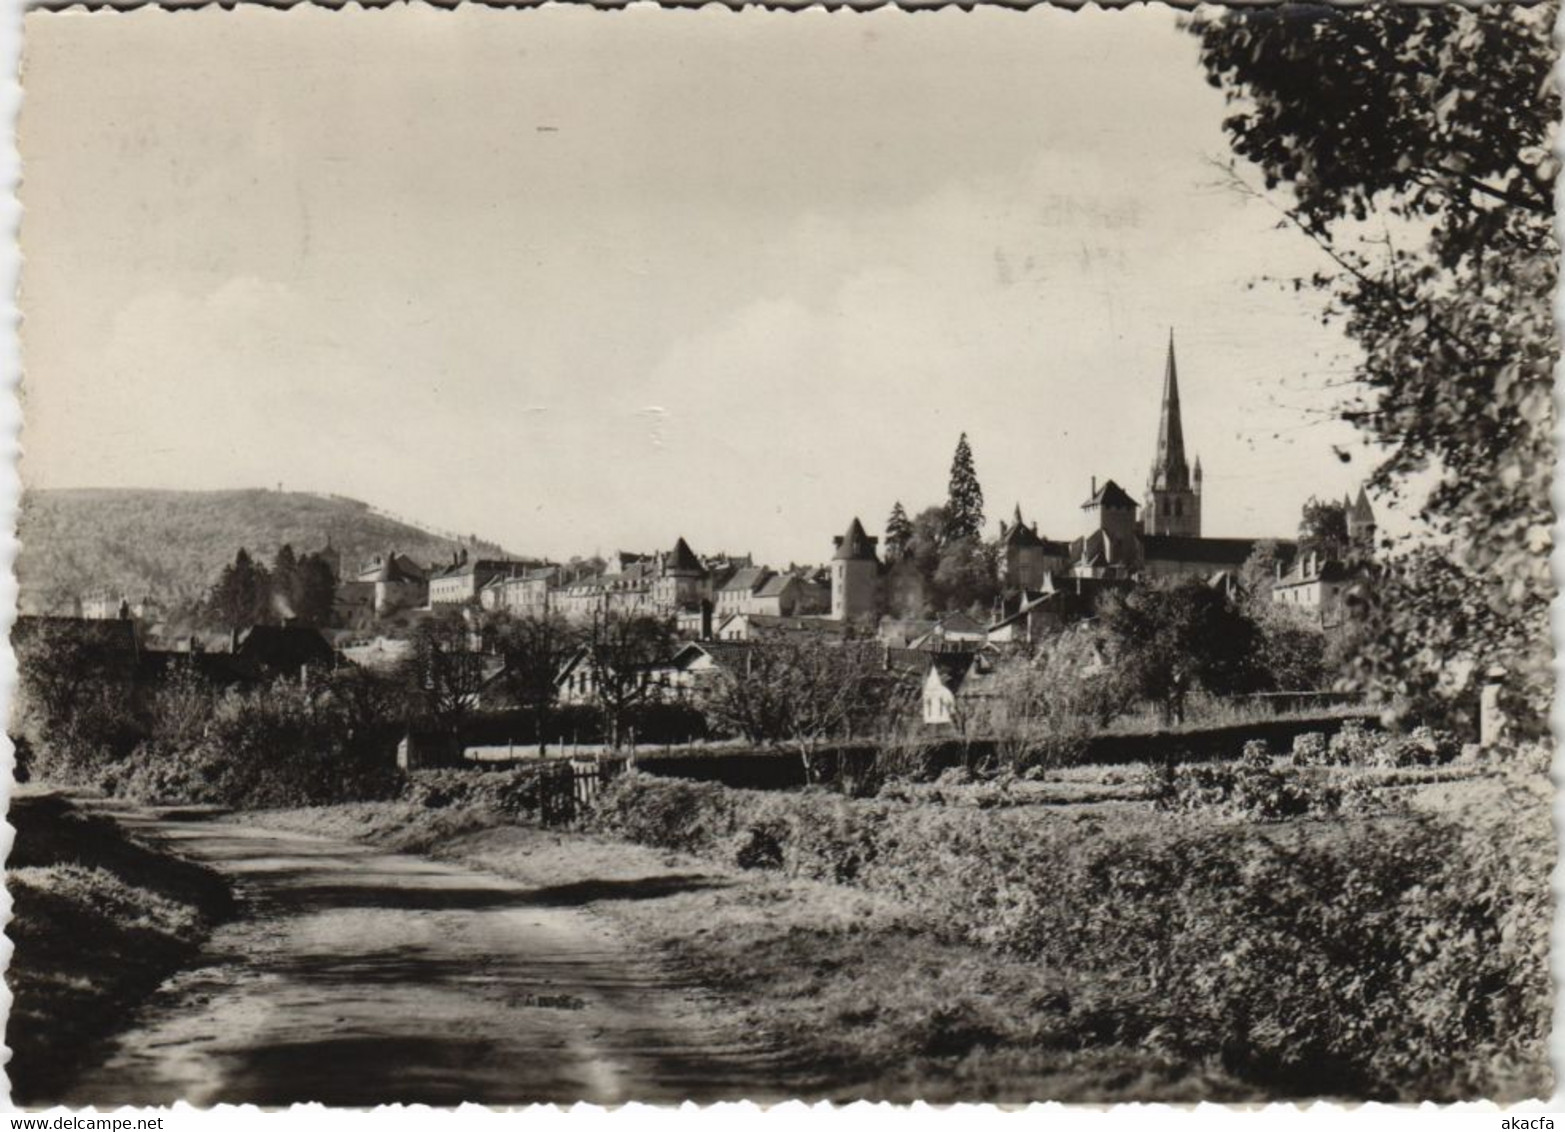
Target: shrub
<point>1251,789</point>
<point>668,813</point>
<point>1256,753</point>
<point>1158,781</point>
<point>274,747</point>
<point>909,757</point>
<point>517,793</point>
<point>1352,745</point>
<point>762,847</point>
<point>1309,749</point>
<point>1399,958</point>
<point>1443,746</point>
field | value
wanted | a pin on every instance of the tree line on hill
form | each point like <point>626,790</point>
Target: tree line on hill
<point>170,545</point>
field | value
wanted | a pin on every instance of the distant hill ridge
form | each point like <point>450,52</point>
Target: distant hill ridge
<point>169,545</point>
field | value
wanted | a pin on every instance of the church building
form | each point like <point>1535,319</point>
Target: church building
<point>1162,537</point>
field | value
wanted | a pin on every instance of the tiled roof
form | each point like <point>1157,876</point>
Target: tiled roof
<point>284,647</point>
<point>1018,533</point>
<point>795,624</point>
<point>1230,552</point>
<point>1305,572</point>
<point>774,585</point>
<point>855,544</point>
<point>746,579</point>
<point>682,560</point>
<point>902,630</point>
<point>729,654</point>
<point>1110,495</point>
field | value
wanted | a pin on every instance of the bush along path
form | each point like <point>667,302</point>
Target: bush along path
<point>1402,956</point>
<point>99,921</point>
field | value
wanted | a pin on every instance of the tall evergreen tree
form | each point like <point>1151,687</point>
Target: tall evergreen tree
<point>242,593</point>
<point>313,590</point>
<point>285,579</point>
<point>899,533</point>
<point>965,504</point>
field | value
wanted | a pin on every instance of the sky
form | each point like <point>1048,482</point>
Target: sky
<point>578,280</point>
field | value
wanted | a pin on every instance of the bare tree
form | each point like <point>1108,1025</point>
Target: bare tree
<point>534,648</point>
<point>803,692</point>
<point>445,668</point>
<point>621,648</point>
<point>1046,708</point>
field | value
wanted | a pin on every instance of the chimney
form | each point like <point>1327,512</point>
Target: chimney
<point>1094,485</point>
<point>233,640</point>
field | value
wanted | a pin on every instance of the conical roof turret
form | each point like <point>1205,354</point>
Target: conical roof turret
<point>1018,533</point>
<point>855,544</point>
<point>683,561</point>
<point>1362,513</point>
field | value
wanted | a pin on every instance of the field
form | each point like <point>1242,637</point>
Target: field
<point>1070,940</point>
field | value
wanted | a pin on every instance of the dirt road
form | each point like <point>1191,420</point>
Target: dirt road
<point>355,977</point>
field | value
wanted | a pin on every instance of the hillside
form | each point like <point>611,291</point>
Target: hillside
<point>169,545</point>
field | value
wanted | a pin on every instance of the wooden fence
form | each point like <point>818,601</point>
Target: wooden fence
<point>572,785</point>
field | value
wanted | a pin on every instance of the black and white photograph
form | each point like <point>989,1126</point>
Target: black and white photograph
<point>733,554</point>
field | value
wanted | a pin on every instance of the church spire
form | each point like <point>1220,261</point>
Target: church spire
<point>1170,470</point>
<point>1173,501</point>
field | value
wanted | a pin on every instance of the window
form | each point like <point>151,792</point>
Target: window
<point>1179,507</point>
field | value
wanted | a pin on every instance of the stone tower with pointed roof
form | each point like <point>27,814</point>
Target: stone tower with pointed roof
<point>1361,519</point>
<point>1023,555</point>
<point>855,575</point>
<point>1173,499</point>
<point>680,582</point>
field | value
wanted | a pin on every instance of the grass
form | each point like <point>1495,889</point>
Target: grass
<point>1204,713</point>
<point>98,922</point>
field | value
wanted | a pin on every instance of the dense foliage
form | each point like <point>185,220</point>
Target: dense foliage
<point>1323,527</point>
<point>1166,641</point>
<point>1044,710</point>
<point>180,738</point>
<point>1398,958</point>
<point>936,573</point>
<point>295,589</point>
<point>1437,123</point>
